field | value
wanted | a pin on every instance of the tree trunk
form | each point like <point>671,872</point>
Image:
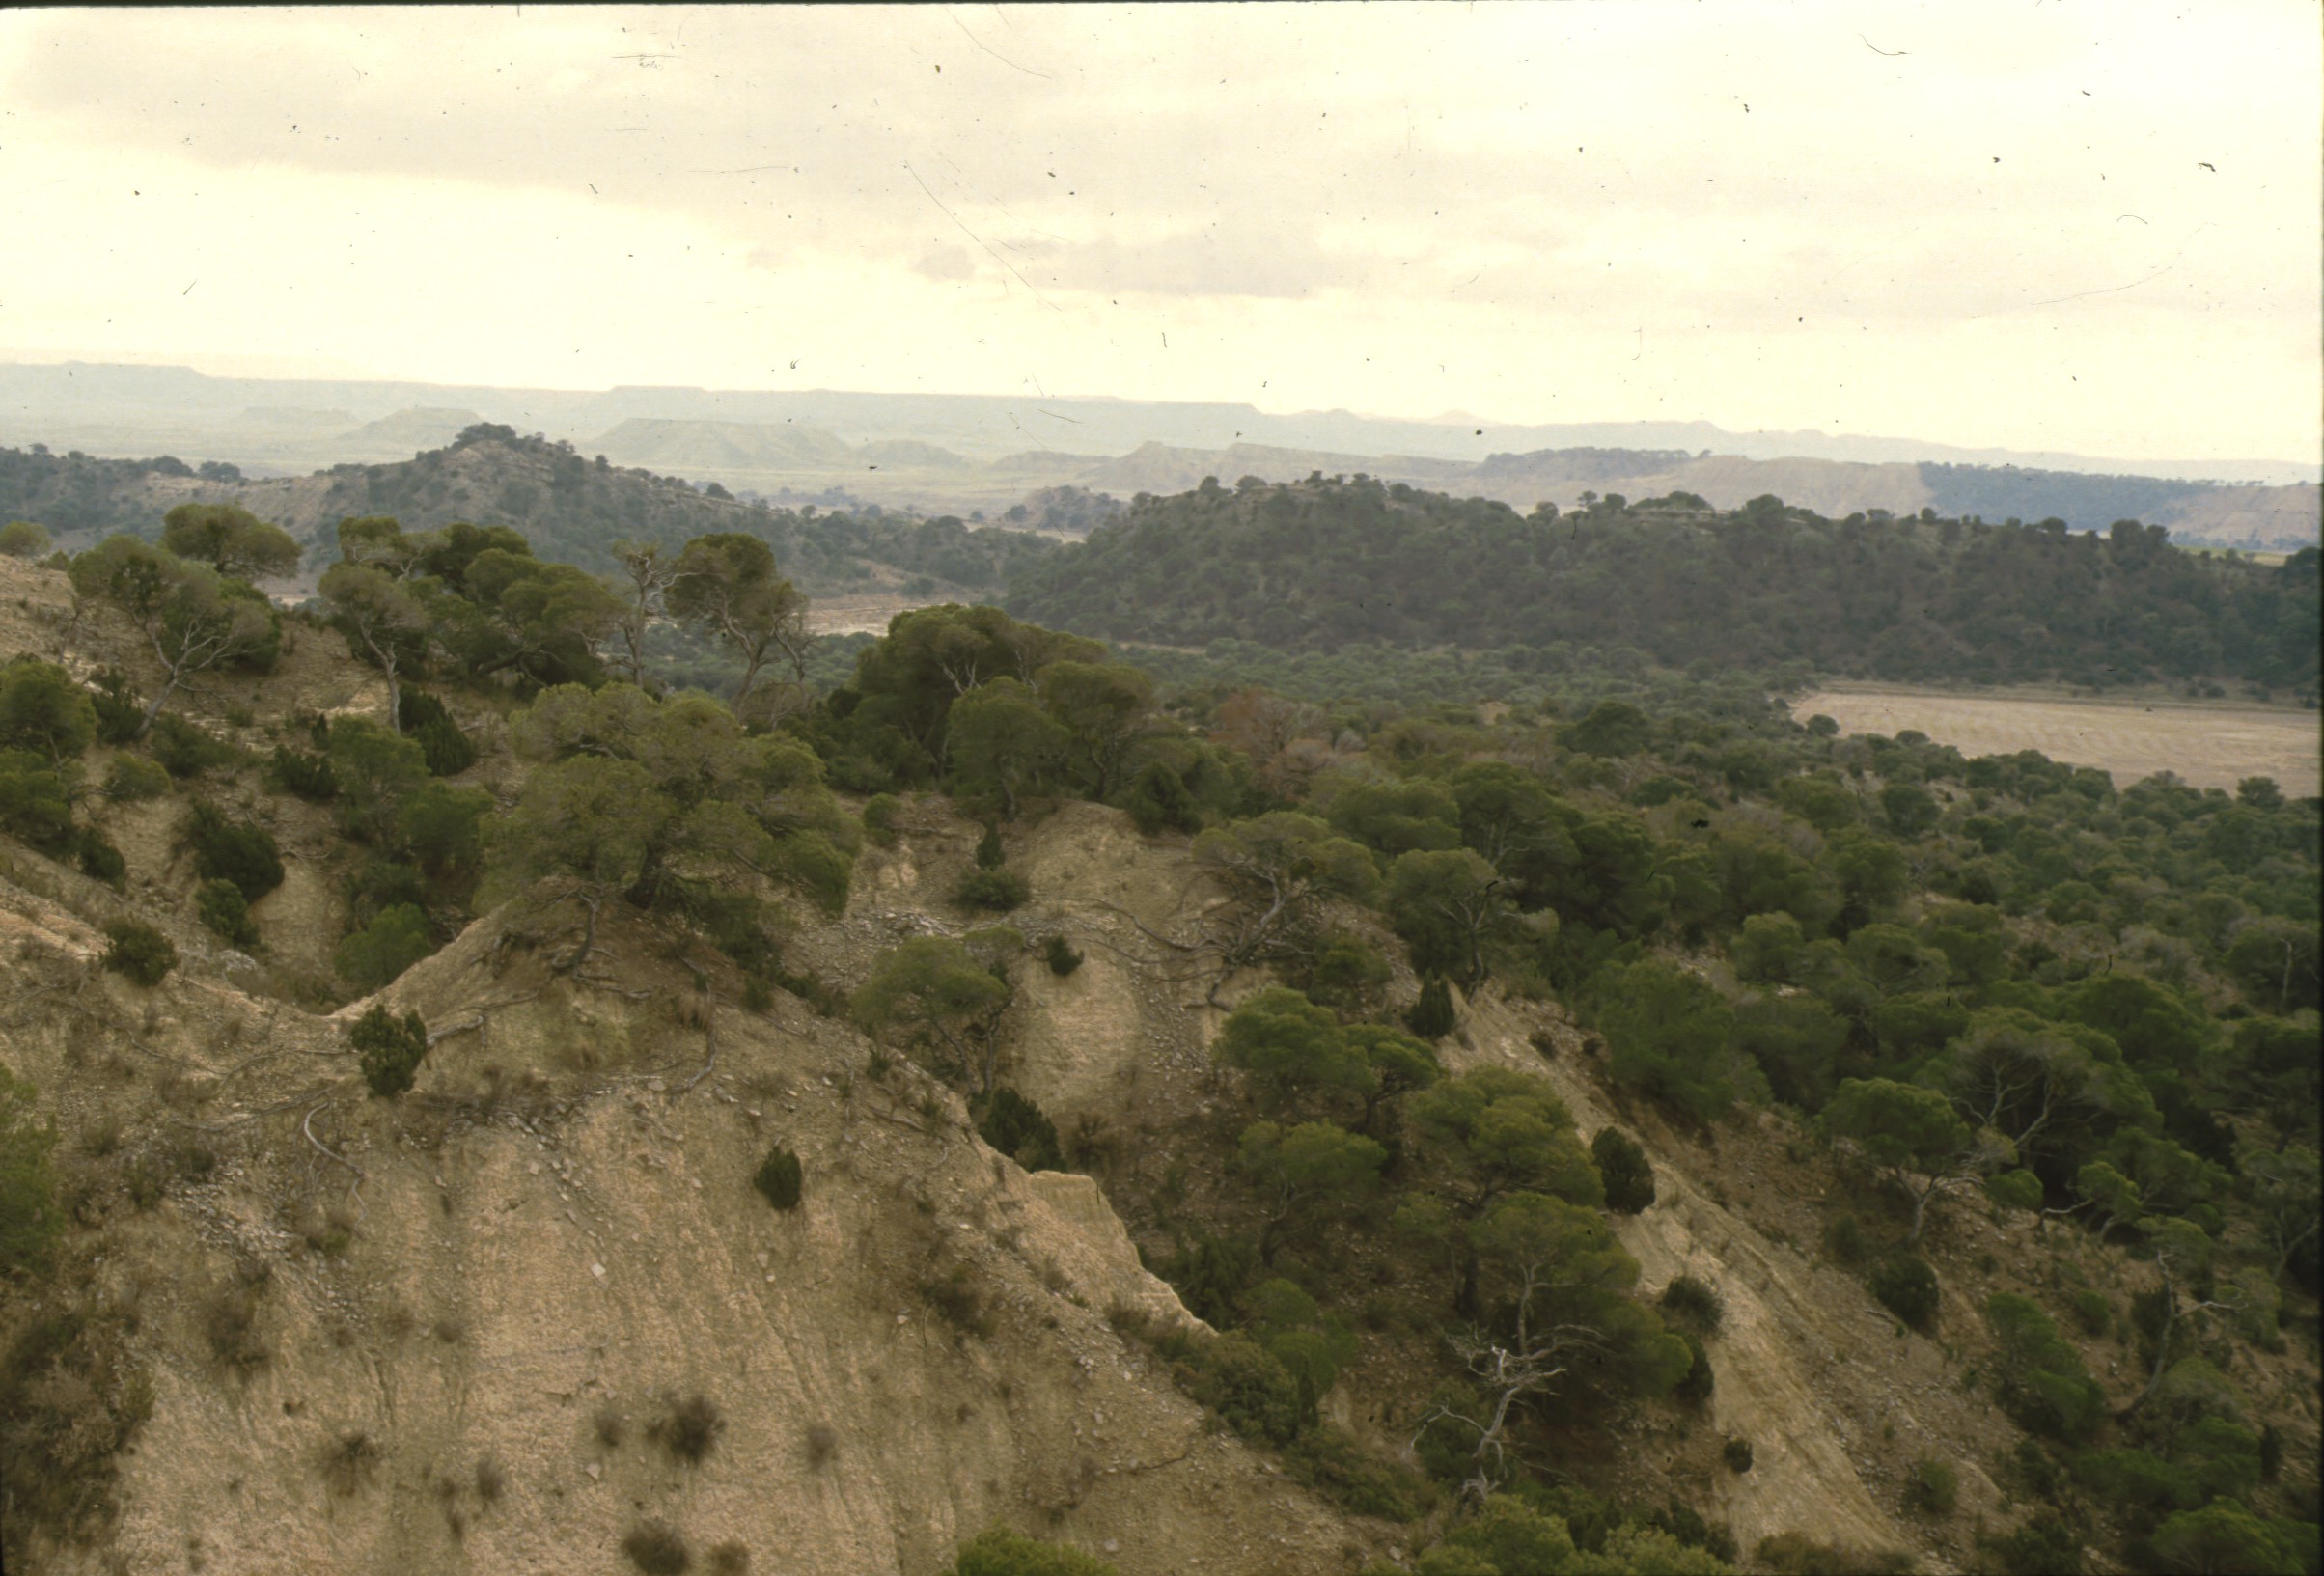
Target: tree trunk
<point>753,659</point>
<point>160,700</point>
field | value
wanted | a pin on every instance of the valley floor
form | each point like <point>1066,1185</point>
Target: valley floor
<point>2210,744</point>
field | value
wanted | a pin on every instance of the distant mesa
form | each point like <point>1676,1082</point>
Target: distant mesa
<point>1042,460</point>
<point>421,427</point>
<point>303,417</point>
<point>910,451</point>
<point>689,446</point>
<point>979,454</point>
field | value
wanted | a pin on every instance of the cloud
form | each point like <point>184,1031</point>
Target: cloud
<point>945,263</point>
<point>1062,186</point>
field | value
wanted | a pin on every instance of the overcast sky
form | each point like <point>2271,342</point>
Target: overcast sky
<point>2071,225</point>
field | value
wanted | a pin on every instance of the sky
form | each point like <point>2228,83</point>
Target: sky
<point>2059,225</point>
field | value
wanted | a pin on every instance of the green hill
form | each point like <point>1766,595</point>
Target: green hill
<point>570,507</point>
<point>1323,564</point>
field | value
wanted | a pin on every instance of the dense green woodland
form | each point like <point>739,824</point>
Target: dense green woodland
<point>2000,985</point>
<point>79,492</point>
<point>2003,491</point>
<point>1320,565</point>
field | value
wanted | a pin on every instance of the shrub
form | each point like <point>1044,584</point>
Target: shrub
<point>29,1217</point>
<point>311,777</point>
<point>997,890</point>
<point>2044,1387</point>
<point>656,1548</point>
<point>227,913</point>
<point>442,826</point>
<point>396,938</point>
<point>377,770</point>
<point>880,817</point>
<point>1907,1287</point>
<point>382,884</point>
<point>1668,1033</point>
<point>1628,1175</point>
<point>389,1049</point>
<point>120,719</point>
<point>1059,953</point>
<point>688,1428</point>
<point>1933,1487</point>
<point>23,539</point>
<point>1243,1383</point>
<point>1737,1454</point>
<point>730,1557</point>
<point>954,1298</point>
<point>234,851</point>
<point>2141,1485</point>
<point>1695,1302</point>
<point>1209,1275</point>
<point>184,749</point>
<point>1696,1384</point>
<point>1795,1554</point>
<point>779,1177</point>
<point>990,852</point>
<point>1000,1552</point>
<point>1159,801</point>
<point>101,861</point>
<point>140,952</point>
<point>2044,1546</point>
<point>1019,1129</point>
<point>1432,1016</point>
<point>822,1444</point>
<point>349,1460</point>
<point>2092,1311</point>
<point>132,778</point>
<point>2014,1190</point>
<point>1679,1523</point>
<point>1348,974</point>
<point>1846,1240</point>
<point>1506,1533</point>
<point>1329,1462</point>
<point>446,749</point>
<point>988,849</point>
<point>35,807</point>
<point>2223,1537</point>
<point>42,710</point>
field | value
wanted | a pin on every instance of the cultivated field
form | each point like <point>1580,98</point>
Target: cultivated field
<point>859,615</point>
<point>2211,745</point>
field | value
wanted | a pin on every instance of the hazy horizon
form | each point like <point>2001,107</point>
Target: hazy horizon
<point>1973,226</point>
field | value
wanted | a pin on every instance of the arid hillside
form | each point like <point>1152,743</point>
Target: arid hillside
<point>554,1306</point>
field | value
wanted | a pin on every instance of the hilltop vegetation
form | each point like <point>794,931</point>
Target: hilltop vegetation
<point>1323,564</point>
<point>76,492</point>
<point>573,510</point>
<point>1958,997</point>
<point>1395,965</point>
<point>569,508</point>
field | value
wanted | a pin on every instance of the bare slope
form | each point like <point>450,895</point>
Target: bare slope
<point>376,1335</point>
<point>558,1228</point>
